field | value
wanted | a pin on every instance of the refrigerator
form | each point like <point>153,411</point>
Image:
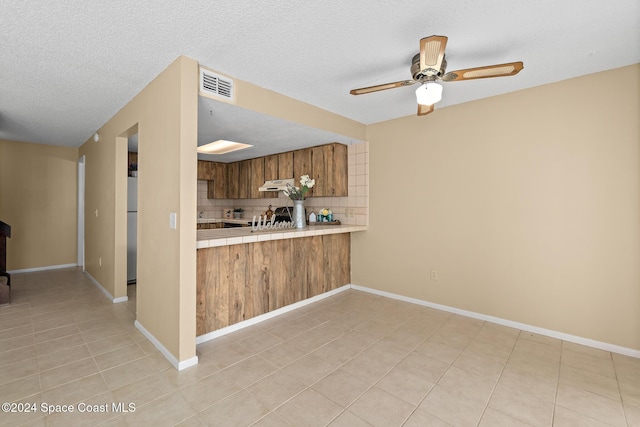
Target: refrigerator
<point>132,228</point>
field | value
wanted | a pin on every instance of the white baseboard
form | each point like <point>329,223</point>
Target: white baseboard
<point>523,326</point>
<point>50,267</point>
<point>106,292</point>
<point>179,365</point>
<point>261,318</point>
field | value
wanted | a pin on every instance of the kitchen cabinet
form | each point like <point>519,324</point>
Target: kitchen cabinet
<point>244,179</point>
<point>336,160</point>
<point>239,282</point>
<point>327,164</point>
<point>233,180</point>
<point>204,170</point>
<point>318,171</point>
<point>217,185</point>
<point>329,169</point>
<point>302,166</point>
<point>209,225</point>
<point>257,177</point>
<point>277,166</point>
<point>285,165</point>
<point>215,175</point>
<point>270,173</point>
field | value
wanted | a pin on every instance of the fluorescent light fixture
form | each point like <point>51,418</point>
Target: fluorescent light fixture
<point>429,93</point>
<point>221,146</point>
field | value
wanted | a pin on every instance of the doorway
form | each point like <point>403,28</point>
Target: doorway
<point>132,220</point>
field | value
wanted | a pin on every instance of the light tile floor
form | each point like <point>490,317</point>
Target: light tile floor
<point>354,359</point>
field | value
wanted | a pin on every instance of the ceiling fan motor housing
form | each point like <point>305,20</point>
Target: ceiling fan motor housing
<point>428,74</point>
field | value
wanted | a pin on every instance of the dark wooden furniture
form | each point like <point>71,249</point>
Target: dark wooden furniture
<point>5,278</point>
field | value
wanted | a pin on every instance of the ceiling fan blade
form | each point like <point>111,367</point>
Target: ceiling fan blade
<point>385,86</point>
<point>423,110</point>
<point>500,70</point>
<point>432,53</point>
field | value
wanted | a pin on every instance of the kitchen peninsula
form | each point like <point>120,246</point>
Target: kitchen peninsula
<point>243,273</point>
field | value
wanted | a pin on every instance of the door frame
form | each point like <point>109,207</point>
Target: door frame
<point>81,187</point>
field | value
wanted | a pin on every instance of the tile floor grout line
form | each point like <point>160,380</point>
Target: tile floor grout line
<point>622,400</point>
<point>493,389</point>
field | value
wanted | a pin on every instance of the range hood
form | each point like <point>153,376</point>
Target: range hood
<point>276,184</point>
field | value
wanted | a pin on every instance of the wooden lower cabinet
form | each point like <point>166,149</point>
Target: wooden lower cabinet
<point>238,282</point>
<point>209,225</point>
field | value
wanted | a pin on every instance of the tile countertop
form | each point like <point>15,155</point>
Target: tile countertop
<point>240,235</point>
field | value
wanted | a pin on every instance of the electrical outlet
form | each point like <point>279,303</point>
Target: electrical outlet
<point>349,212</point>
<point>434,275</point>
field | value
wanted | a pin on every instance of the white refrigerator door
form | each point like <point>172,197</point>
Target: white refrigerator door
<point>132,240</point>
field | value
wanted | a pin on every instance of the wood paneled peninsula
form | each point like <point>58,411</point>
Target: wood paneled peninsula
<point>242,273</point>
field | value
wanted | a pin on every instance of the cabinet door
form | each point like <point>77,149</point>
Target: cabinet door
<point>336,164</point>
<point>319,171</point>
<point>202,169</point>
<point>220,180</point>
<point>301,164</point>
<point>285,165</point>
<point>270,173</point>
<point>233,179</point>
<point>244,179</point>
<point>257,177</point>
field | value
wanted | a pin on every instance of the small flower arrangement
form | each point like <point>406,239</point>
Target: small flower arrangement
<point>298,193</point>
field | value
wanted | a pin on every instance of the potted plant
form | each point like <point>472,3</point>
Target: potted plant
<point>237,212</point>
<point>298,194</point>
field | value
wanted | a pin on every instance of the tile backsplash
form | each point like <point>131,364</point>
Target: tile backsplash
<point>352,210</point>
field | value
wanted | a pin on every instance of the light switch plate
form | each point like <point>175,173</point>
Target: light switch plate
<point>173,220</point>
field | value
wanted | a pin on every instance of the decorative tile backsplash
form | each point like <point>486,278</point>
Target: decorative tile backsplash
<point>353,209</point>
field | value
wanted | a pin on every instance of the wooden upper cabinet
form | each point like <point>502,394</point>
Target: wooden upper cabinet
<point>217,186</point>
<point>256,178</point>
<point>205,170</point>
<point>233,180</point>
<point>285,165</point>
<point>329,169</point>
<point>318,172</point>
<point>336,161</point>
<point>271,167</point>
<point>301,164</point>
<point>327,164</point>
<point>215,174</point>
<point>270,173</point>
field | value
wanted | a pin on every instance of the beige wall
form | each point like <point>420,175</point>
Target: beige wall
<point>255,98</point>
<point>526,204</point>
<point>38,199</point>
<point>165,117</point>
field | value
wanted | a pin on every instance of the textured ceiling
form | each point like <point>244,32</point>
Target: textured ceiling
<point>66,67</point>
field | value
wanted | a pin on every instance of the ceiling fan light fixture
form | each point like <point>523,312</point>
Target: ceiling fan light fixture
<point>429,93</point>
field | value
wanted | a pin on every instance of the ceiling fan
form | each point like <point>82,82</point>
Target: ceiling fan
<point>429,66</point>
